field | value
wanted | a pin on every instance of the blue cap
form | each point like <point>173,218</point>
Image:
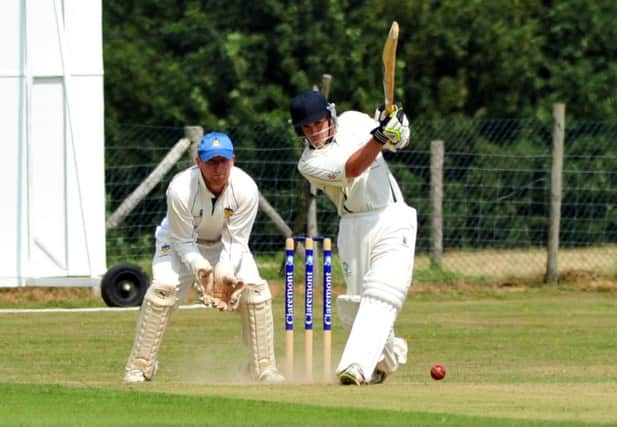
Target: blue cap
<point>215,144</point>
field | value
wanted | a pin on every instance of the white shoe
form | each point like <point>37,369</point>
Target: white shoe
<point>134,376</point>
<point>352,375</point>
<point>138,376</point>
<point>271,376</point>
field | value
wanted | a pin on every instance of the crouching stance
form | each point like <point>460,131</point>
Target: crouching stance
<point>203,242</point>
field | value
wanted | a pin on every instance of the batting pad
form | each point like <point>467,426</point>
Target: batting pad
<point>394,354</point>
<point>158,303</point>
<point>369,333</point>
<point>346,308</point>
<point>258,329</point>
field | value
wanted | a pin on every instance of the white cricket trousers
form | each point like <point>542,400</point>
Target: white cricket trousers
<point>377,251</point>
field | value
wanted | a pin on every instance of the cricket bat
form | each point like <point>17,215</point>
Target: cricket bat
<point>389,65</point>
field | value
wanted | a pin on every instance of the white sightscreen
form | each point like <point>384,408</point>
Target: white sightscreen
<point>52,163</point>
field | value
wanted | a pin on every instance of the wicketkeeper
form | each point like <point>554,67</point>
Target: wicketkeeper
<point>203,241</point>
<point>377,230</point>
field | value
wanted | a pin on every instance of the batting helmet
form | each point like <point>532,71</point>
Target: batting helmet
<point>309,107</point>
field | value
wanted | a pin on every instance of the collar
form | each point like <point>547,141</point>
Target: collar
<point>328,141</point>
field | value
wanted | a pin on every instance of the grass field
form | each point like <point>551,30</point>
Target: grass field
<point>519,356</point>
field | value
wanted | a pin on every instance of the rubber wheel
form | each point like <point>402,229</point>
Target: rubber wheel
<point>124,285</point>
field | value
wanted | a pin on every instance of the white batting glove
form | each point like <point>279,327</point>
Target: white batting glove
<point>393,130</point>
<point>380,112</point>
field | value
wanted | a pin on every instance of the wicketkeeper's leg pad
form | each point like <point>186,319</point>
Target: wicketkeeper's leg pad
<point>258,332</point>
<point>157,306</point>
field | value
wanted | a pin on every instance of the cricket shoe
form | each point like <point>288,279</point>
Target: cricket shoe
<point>352,375</point>
<point>378,376</point>
<point>271,376</point>
<point>138,376</point>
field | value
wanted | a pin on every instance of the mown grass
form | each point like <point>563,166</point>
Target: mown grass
<point>53,405</point>
<point>514,355</point>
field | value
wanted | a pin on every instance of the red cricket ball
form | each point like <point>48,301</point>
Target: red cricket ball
<point>438,372</point>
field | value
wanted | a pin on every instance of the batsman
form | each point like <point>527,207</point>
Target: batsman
<point>377,229</point>
<point>203,242</point>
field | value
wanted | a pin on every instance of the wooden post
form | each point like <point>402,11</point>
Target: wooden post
<point>278,221</point>
<point>311,220</point>
<point>147,185</point>
<point>312,228</point>
<point>311,212</point>
<point>326,80</point>
<point>559,126</point>
<point>193,134</point>
<point>437,158</point>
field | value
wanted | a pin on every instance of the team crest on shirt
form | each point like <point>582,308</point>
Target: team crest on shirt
<point>228,212</point>
<point>165,249</point>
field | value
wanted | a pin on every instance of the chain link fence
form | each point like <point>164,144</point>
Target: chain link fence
<point>496,193</point>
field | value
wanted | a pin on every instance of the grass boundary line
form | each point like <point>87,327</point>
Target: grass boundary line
<point>89,309</point>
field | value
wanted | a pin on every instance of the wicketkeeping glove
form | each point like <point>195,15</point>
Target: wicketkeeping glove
<point>225,289</point>
<point>393,129</point>
<point>202,272</point>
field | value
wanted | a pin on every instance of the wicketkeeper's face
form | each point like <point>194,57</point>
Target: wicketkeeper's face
<point>318,132</point>
<point>216,172</point>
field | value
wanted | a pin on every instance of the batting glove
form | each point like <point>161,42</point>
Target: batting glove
<point>380,112</point>
<point>393,130</point>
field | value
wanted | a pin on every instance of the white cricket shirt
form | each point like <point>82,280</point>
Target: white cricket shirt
<point>374,189</point>
<point>195,215</point>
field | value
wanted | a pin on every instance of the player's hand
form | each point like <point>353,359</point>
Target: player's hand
<point>393,130</point>
<point>380,112</point>
<point>226,289</point>
<point>202,270</point>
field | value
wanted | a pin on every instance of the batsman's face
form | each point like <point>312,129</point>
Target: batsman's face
<point>318,132</point>
<point>216,172</point>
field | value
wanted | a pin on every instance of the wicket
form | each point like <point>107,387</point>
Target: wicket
<point>308,305</point>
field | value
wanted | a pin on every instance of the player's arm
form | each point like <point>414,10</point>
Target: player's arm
<point>362,158</point>
<point>369,146</point>
<point>183,239</point>
<point>181,230</point>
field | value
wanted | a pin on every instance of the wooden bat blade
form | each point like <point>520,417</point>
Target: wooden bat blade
<point>389,65</point>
